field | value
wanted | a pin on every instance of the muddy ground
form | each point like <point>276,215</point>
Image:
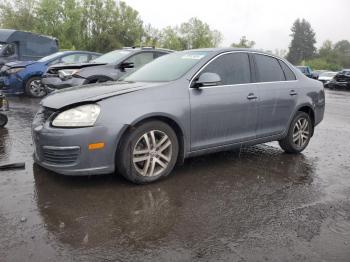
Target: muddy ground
<point>255,205</point>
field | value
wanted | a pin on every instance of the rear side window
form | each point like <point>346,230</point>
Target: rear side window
<point>287,71</point>
<point>269,70</point>
<point>232,68</point>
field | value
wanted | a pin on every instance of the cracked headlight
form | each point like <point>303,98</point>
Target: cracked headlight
<point>81,116</point>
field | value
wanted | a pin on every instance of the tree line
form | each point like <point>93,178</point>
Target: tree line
<point>302,50</point>
<point>101,25</point>
<point>104,25</point>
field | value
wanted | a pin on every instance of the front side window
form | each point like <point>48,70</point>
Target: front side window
<point>94,57</point>
<point>75,58</point>
<point>140,59</point>
<point>167,68</point>
<point>269,70</point>
<point>9,50</point>
<point>232,68</point>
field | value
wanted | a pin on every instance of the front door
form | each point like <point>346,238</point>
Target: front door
<point>226,113</point>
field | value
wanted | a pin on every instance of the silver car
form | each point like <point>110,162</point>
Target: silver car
<point>181,105</point>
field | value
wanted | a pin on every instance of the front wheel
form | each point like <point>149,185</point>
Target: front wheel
<point>35,88</point>
<point>299,134</point>
<point>148,153</point>
<point>3,120</point>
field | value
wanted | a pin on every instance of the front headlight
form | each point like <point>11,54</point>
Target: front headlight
<point>67,73</point>
<point>81,116</point>
<point>14,70</point>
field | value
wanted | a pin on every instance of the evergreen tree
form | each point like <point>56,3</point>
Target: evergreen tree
<point>244,43</point>
<point>302,46</point>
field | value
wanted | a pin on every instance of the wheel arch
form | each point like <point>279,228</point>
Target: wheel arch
<point>308,109</point>
<point>30,76</point>
<point>179,131</point>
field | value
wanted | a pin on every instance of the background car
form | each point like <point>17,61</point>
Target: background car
<point>18,45</point>
<point>306,70</point>
<point>108,67</point>
<point>25,76</point>
<point>340,80</point>
<point>180,105</point>
<point>326,77</point>
<point>316,73</point>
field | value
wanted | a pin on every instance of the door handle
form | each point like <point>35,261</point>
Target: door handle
<point>251,96</point>
<point>293,93</point>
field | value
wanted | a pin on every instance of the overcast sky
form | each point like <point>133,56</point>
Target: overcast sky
<point>267,22</point>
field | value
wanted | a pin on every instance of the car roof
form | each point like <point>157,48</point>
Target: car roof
<point>5,34</point>
<point>146,48</point>
<point>78,51</point>
<point>231,49</point>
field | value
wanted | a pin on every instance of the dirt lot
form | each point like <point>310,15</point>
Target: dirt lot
<point>255,205</point>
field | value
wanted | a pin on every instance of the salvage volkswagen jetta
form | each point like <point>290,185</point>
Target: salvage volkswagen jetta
<point>181,105</point>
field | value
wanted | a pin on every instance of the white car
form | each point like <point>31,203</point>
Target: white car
<point>326,77</point>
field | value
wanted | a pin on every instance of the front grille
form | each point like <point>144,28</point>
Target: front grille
<point>60,155</point>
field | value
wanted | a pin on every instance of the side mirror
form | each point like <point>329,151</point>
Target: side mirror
<point>207,79</point>
<point>125,65</point>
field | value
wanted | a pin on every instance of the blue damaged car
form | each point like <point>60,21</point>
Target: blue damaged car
<point>25,76</point>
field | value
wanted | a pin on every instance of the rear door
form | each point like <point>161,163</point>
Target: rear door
<point>277,91</point>
<point>226,113</point>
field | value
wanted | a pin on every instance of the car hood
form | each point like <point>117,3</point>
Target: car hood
<point>92,93</point>
<point>20,63</point>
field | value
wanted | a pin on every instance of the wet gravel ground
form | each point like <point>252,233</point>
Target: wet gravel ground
<point>258,204</point>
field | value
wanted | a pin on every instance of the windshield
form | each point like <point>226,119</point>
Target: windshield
<point>111,57</point>
<point>167,68</point>
<point>49,57</point>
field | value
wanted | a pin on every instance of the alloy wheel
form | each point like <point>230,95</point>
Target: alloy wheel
<point>301,132</point>
<point>37,89</point>
<point>152,153</point>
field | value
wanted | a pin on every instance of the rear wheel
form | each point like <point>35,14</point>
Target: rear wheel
<point>148,153</point>
<point>34,87</point>
<point>3,120</point>
<point>299,134</point>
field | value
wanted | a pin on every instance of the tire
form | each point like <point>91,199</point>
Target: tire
<point>3,120</point>
<point>34,87</point>
<point>299,134</point>
<point>139,161</point>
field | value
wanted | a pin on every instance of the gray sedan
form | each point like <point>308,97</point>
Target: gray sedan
<point>181,105</point>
